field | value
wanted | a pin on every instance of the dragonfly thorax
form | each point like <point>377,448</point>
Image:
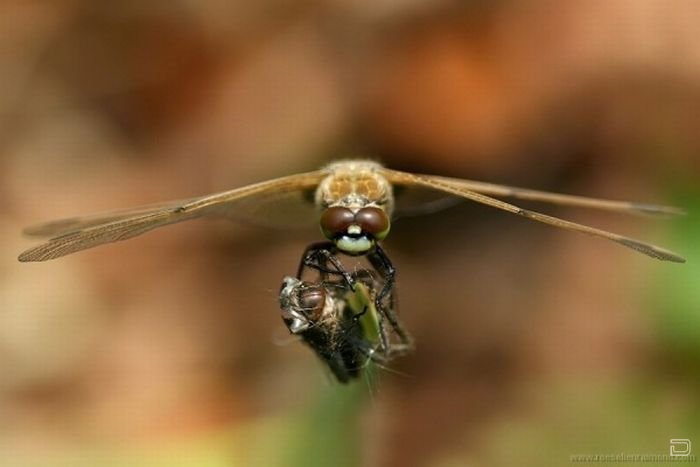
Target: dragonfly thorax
<point>355,184</point>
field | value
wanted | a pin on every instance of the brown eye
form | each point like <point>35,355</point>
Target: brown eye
<point>373,220</point>
<point>312,300</point>
<point>335,220</point>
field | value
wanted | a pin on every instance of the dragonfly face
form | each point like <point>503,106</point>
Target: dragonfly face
<point>357,203</point>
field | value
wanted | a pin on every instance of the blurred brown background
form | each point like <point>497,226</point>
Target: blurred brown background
<point>533,344</point>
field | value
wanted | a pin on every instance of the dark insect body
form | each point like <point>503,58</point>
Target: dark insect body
<point>343,315</point>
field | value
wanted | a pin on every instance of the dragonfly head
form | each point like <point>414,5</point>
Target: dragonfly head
<point>355,232</point>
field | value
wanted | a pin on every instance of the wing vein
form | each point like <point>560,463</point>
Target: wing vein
<point>76,234</point>
<point>439,184</point>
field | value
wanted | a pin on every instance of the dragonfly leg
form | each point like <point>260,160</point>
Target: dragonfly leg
<point>381,262</point>
<point>317,256</point>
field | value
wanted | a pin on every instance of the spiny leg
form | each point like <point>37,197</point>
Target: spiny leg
<point>310,253</point>
<point>317,256</point>
<point>382,264</point>
<point>407,345</point>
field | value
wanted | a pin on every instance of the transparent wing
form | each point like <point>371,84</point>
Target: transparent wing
<point>71,224</point>
<point>556,198</point>
<point>280,209</point>
<point>75,234</point>
<point>457,188</point>
<point>419,201</point>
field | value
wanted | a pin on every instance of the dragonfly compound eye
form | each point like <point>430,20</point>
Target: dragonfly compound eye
<point>336,220</point>
<point>374,221</point>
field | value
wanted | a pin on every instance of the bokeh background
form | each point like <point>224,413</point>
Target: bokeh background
<point>532,344</point>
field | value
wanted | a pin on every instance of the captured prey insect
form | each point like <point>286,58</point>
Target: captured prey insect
<point>338,315</point>
<point>354,202</point>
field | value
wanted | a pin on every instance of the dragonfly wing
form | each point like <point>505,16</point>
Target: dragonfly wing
<point>450,187</point>
<point>72,224</point>
<point>492,189</point>
<point>76,234</point>
<point>420,201</point>
<point>279,210</point>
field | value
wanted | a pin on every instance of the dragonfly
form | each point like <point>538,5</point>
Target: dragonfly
<point>336,314</point>
<point>352,200</point>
